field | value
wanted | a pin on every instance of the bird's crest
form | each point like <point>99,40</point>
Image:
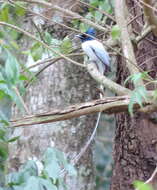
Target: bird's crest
<point>91,31</point>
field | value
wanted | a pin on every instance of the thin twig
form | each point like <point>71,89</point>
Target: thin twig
<point>67,12</point>
<point>21,100</point>
<point>101,11</point>
<point>149,15</point>
<point>41,42</point>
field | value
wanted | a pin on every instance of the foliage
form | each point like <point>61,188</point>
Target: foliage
<point>139,94</point>
<point>115,32</point>
<point>136,77</point>
<point>10,78</point>
<point>139,185</point>
<point>95,15</point>
<point>31,176</point>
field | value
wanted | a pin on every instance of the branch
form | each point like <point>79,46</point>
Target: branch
<point>152,180</point>
<point>42,43</point>
<point>67,12</point>
<point>106,82</point>
<point>144,33</point>
<point>149,15</point>
<point>108,105</point>
<point>125,38</point>
<point>101,11</point>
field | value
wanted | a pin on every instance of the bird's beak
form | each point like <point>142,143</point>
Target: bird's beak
<point>78,36</point>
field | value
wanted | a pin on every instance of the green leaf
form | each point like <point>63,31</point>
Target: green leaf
<point>66,46</point>
<point>51,164</point>
<point>115,32</point>
<point>18,178</point>
<point>2,134</point>
<point>98,16</point>
<point>94,3</point>
<point>23,77</point>
<point>48,38</point>
<point>13,139</point>
<point>36,183</point>
<point>2,94</point>
<point>52,170</point>
<point>142,186</point>
<point>14,44</point>
<point>71,170</point>
<point>31,168</point>
<point>138,95</point>
<point>20,11</point>
<point>12,68</point>
<point>36,51</point>
<point>3,118</point>
<point>3,151</point>
<point>83,27</point>
<point>138,76</point>
<point>54,160</point>
<point>4,14</point>
<point>104,5</point>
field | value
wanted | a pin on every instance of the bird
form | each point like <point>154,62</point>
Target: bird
<point>95,50</point>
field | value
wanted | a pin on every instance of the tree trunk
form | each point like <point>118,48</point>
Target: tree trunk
<point>59,85</point>
<point>136,137</point>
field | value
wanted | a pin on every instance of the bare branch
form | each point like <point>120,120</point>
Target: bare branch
<point>106,82</point>
<point>125,38</point>
<point>21,100</point>
<point>144,33</point>
<point>149,15</point>
<point>41,42</point>
<point>67,12</point>
<point>108,105</point>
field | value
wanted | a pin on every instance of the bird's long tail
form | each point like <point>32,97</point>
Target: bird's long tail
<point>83,150</point>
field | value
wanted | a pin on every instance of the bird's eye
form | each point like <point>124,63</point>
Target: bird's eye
<point>83,36</point>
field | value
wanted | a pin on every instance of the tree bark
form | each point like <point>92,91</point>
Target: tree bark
<point>60,85</point>
<point>135,138</point>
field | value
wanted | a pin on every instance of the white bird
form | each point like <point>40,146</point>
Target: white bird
<point>95,51</point>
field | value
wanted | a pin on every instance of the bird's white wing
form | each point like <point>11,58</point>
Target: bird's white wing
<point>95,50</point>
<point>100,52</point>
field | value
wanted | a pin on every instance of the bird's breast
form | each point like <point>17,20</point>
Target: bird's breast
<point>87,48</point>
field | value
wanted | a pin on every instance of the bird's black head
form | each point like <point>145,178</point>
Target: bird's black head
<point>84,37</point>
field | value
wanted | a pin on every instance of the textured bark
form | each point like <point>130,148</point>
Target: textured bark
<point>136,138</point>
<point>60,85</point>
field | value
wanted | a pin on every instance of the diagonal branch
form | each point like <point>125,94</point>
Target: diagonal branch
<point>120,9</point>
<point>41,42</point>
<point>67,12</point>
<point>106,82</point>
<point>149,15</point>
<point>108,105</point>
